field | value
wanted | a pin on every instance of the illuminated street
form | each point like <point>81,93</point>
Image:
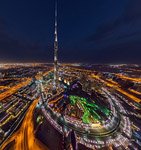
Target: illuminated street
<point>70,75</point>
<point>95,105</point>
<point>24,138</point>
<point>102,109</point>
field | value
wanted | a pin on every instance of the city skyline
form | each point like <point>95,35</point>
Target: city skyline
<point>70,75</point>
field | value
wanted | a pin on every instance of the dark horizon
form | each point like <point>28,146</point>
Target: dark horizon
<point>98,32</point>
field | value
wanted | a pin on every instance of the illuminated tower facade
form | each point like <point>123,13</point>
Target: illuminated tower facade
<point>55,50</point>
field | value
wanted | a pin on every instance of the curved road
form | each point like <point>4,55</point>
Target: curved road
<point>24,138</point>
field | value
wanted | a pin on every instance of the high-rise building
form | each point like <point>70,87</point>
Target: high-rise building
<point>55,50</point>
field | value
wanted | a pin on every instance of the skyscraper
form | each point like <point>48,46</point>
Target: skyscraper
<point>55,50</point>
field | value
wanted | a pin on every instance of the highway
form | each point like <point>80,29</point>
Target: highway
<point>117,122</point>
<point>117,88</point>
<point>24,138</point>
<point>129,78</point>
<point>13,89</point>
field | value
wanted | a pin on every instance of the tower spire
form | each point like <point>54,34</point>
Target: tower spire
<point>55,49</point>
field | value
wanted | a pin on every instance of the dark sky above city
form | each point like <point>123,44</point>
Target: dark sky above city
<point>93,31</point>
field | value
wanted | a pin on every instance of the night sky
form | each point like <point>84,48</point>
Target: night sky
<point>92,31</point>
